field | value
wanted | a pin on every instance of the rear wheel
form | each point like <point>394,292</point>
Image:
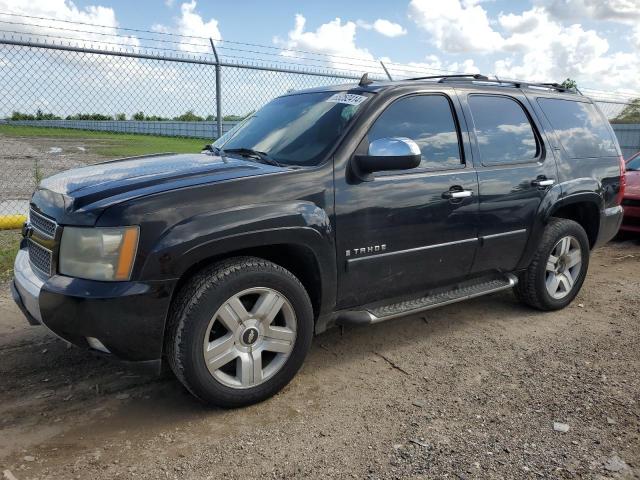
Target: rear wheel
<point>239,331</point>
<point>558,268</point>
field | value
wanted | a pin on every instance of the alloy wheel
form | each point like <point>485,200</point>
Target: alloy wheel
<point>250,337</point>
<point>563,267</point>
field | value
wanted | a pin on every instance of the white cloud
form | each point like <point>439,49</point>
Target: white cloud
<point>169,3</point>
<point>524,23</point>
<point>535,44</point>
<point>334,38</point>
<point>388,28</point>
<point>192,24</point>
<point>67,11</point>
<point>625,11</point>
<point>635,37</point>
<point>547,50</point>
<point>455,27</point>
<point>383,27</point>
<point>433,65</point>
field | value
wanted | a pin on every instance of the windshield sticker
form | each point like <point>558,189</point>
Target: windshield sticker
<point>348,98</point>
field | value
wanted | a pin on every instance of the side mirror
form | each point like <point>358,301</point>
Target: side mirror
<point>390,153</point>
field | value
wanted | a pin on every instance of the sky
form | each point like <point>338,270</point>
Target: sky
<point>595,42</point>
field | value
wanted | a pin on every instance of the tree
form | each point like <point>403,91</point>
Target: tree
<point>40,115</point>
<point>138,116</point>
<point>629,114</point>
<point>237,118</point>
<point>22,116</point>
<point>569,84</point>
<point>121,117</point>
<point>189,116</point>
<point>89,116</point>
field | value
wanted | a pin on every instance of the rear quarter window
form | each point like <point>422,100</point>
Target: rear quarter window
<point>581,129</point>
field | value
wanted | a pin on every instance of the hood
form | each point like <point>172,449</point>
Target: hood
<point>98,186</point>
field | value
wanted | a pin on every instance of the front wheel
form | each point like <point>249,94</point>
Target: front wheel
<point>558,268</point>
<point>239,331</point>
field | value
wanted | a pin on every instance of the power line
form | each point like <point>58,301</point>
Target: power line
<point>329,58</point>
<point>271,47</point>
<point>324,69</point>
<point>368,65</point>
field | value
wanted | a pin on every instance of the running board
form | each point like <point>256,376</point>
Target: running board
<point>460,293</point>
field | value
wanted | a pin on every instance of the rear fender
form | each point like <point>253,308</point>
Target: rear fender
<point>576,191</point>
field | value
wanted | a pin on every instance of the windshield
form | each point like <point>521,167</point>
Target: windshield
<point>295,129</point>
<point>634,164</point>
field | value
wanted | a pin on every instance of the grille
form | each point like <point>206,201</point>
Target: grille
<point>630,202</point>
<point>40,257</point>
<point>42,223</point>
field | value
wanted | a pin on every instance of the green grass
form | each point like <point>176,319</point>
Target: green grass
<point>111,145</point>
<point>9,244</point>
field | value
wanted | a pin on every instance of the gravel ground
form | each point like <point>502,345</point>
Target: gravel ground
<point>24,160</point>
<point>483,389</point>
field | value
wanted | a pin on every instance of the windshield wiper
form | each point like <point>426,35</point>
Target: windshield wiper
<point>251,153</point>
<point>211,149</point>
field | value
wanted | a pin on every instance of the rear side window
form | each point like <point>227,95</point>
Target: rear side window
<point>428,121</point>
<point>581,129</point>
<point>503,130</point>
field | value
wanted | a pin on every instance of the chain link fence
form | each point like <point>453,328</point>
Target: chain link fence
<point>65,105</point>
<point>76,93</point>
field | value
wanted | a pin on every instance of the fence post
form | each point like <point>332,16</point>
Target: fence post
<point>218,90</point>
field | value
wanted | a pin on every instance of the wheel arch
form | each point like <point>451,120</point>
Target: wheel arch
<point>299,259</point>
<point>582,209</point>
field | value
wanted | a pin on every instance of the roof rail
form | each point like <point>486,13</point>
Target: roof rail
<point>483,78</point>
<point>471,76</point>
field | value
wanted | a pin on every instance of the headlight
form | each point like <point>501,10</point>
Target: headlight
<point>98,253</point>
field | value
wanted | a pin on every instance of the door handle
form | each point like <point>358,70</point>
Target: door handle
<point>543,182</point>
<point>449,194</point>
<point>461,194</point>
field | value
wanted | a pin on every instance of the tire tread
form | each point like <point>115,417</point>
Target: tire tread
<point>526,290</point>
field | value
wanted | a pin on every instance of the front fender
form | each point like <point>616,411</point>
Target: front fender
<point>210,234</point>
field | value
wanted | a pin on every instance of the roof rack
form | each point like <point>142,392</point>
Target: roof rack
<point>443,78</point>
<point>483,78</point>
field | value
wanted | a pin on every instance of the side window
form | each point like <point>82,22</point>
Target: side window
<point>580,128</point>
<point>503,130</point>
<point>428,121</point>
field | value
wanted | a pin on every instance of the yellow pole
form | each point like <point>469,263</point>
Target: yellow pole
<point>10,222</point>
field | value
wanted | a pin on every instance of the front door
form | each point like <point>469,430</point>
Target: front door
<point>404,232</point>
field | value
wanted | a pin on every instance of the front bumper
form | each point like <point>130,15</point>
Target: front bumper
<point>128,318</point>
<point>26,287</point>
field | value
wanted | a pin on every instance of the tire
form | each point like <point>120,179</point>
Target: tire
<point>537,282</point>
<point>248,312</point>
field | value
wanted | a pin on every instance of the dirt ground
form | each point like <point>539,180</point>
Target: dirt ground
<point>25,160</point>
<point>469,391</point>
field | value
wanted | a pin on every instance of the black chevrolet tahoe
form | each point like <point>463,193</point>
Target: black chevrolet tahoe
<point>344,205</point>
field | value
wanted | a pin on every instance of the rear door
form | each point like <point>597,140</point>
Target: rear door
<point>515,172</point>
<point>403,231</point>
